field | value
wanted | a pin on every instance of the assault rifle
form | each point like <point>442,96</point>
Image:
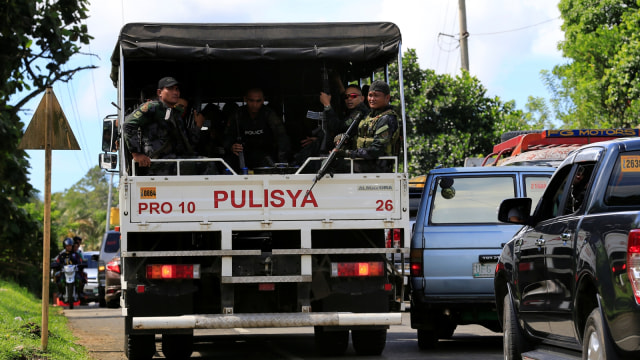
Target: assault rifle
<point>324,169</point>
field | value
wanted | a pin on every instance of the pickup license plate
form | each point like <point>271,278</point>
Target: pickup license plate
<point>483,270</point>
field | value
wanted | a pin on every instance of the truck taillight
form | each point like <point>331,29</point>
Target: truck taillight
<point>633,262</point>
<point>415,263</point>
<point>173,271</point>
<point>393,237</point>
<point>357,269</point>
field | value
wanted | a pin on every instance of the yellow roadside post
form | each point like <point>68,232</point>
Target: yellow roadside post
<point>48,130</point>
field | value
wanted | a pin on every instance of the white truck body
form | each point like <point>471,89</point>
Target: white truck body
<point>259,250</point>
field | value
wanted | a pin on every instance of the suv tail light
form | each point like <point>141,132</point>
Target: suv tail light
<point>392,238</point>
<point>114,265</point>
<point>415,263</point>
<point>633,262</point>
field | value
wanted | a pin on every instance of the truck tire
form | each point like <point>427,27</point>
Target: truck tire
<point>427,339</point>
<point>177,346</point>
<point>138,347</point>
<point>331,343</point>
<point>513,340</point>
<point>369,342</point>
<point>596,343</point>
<point>113,303</point>
<point>446,329</point>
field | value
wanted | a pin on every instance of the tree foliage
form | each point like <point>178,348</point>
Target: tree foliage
<point>83,208</point>
<point>600,86</point>
<point>451,118</point>
<point>37,38</point>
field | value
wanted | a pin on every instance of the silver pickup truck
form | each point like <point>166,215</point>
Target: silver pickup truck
<point>456,243</point>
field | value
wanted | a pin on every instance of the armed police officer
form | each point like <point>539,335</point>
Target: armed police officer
<point>257,133</point>
<point>356,111</point>
<point>377,133</point>
<point>155,130</point>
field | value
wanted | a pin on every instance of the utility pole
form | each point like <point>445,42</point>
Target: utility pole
<point>464,52</point>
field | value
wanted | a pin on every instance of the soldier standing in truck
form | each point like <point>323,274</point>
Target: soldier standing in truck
<point>377,133</point>
<point>155,130</point>
<point>257,132</point>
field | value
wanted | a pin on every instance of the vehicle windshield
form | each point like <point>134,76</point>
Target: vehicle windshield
<point>471,200</point>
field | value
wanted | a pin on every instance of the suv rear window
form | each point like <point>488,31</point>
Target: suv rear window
<point>534,187</point>
<point>112,243</point>
<point>470,200</point>
<point>624,185</point>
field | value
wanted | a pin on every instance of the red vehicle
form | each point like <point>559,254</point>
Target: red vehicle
<point>547,147</point>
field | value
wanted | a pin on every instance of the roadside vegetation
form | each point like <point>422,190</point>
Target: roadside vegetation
<point>20,328</point>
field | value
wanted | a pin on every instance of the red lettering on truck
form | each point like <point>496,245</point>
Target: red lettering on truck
<point>274,198</point>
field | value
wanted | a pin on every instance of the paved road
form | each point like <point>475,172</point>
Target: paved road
<point>100,330</point>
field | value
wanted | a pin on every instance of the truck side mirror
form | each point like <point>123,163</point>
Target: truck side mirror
<point>109,133</point>
<point>108,161</point>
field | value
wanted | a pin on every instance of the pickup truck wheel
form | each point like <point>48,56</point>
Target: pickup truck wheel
<point>446,330</point>
<point>331,343</point>
<point>513,342</point>
<point>369,342</point>
<point>427,339</point>
<point>177,346</point>
<point>595,343</point>
<point>101,301</point>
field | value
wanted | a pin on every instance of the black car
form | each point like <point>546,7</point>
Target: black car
<point>568,283</point>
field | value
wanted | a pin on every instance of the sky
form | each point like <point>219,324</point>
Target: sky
<point>509,43</point>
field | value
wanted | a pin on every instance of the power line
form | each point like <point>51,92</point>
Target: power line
<point>517,29</point>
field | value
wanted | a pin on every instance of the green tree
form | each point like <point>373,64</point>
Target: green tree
<point>37,38</point>
<point>83,208</point>
<point>450,118</point>
<point>601,80</point>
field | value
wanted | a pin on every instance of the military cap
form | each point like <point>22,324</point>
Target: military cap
<point>167,82</point>
<point>381,86</point>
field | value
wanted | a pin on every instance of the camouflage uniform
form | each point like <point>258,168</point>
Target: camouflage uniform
<point>263,138</point>
<point>158,132</point>
<point>377,136</point>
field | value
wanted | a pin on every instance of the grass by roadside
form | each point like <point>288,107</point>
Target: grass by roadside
<point>20,321</point>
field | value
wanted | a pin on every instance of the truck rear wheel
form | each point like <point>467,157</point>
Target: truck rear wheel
<point>177,346</point>
<point>369,342</point>
<point>331,343</point>
<point>140,347</point>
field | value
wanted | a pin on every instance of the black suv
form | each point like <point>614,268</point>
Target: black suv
<point>568,283</point>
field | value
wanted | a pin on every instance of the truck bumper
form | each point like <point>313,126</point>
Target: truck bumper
<point>266,320</point>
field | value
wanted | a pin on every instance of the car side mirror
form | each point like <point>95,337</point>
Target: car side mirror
<point>515,210</point>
